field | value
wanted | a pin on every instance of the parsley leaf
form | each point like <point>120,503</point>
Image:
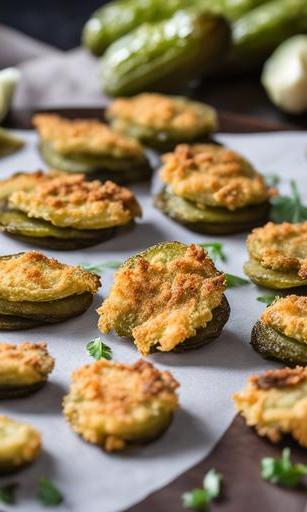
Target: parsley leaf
<point>199,499</point>
<point>7,493</point>
<point>235,281</point>
<point>215,250</point>
<point>48,494</point>
<point>97,349</point>
<point>282,471</point>
<point>267,299</point>
<point>272,180</point>
<point>100,267</point>
<point>288,208</point>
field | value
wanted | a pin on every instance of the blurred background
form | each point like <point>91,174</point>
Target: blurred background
<point>255,67</point>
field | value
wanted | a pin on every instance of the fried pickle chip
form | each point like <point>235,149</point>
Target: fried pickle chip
<point>31,276</point>
<point>163,296</point>
<point>23,368</point>
<point>115,405</point>
<point>280,247</point>
<point>275,403</point>
<point>70,201</point>
<point>20,444</point>
<point>159,120</point>
<point>212,175</point>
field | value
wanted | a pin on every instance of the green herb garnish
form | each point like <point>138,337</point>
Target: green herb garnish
<point>199,499</point>
<point>288,208</point>
<point>7,493</point>
<point>272,180</point>
<point>235,281</point>
<point>48,494</point>
<point>99,350</point>
<point>215,250</point>
<point>282,471</point>
<point>267,299</point>
<point>100,267</point>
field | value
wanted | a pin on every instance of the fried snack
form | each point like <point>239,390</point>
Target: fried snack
<point>20,444</point>
<point>167,297</point>
<point>162,121</point>
<point>24,368</point>
<point>116,405</point>
<point>35,290</point>
<point>281,332</point>
<point>89,146</point>
<point>275,403</point>
<point>212,189</point>
<point>64,212</point>
<point>278,255</point>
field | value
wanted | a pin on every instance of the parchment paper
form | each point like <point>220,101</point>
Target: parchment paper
<point>90,479</point>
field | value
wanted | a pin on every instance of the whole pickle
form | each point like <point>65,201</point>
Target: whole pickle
<point>119,17</point>
<point>257,33</point>
<point>165,53</point>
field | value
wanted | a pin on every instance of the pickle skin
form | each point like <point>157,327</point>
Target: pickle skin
<point>271,278</point>
<point>165,54</point>
<point>227,222</point>
<point>273,345</point>
<point>10,392</point>
<point>15,323</point>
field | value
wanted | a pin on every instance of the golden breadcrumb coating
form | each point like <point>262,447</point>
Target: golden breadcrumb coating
<point>71,201</point>
<point>163,301</point>
<point>20,181</point>
<point>163,113</point>
<point>24,364</point>
<point>214,176</point>
<point>281,247</point>
<point>113,404</point>
<point>85,137</point>
<point>288,316</point>
<point>31,276</point>
<point>275,403</point>
<point>20,443</point>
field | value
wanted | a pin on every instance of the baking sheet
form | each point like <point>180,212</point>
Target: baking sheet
<point>90,479</point>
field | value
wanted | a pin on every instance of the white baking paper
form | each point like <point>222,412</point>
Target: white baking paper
<point>90,479</point>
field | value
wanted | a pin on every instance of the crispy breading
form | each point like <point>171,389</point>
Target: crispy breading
<point>170,114</point>
<point>71,201</point>
<point>163,300</point>
<point>20,443</point>
<point>113,404</point>
<point>288,315</point>
<point>85,137</point>
<point>24,364</point>
<point>31,276</point>
<point>280,247</point>
<point>275,403</point>
<point>214,176</point>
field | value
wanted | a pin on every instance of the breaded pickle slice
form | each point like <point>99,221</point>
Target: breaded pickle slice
<point>281,332</point>
<point>24,368</point>
<point>272,278</point>
<point>90,147</point>
<point>163,54</point>
<point>165,298</point>
<point>274,403</point>
<point>211,220</point>
<point>132,404</point>
<point>20,444</point>
<point>162,121</point>
<point>44,234</point>
<point>278,255</point>
<point>274,345</point>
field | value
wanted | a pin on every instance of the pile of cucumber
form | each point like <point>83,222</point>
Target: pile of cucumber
<point>149,44</point>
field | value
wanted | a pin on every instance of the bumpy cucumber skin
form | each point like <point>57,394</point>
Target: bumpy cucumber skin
<point>273,345</point>
<point>227,223</point>
<point>257,33</point>
<point>271,278</point>
<point>163,54</point>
